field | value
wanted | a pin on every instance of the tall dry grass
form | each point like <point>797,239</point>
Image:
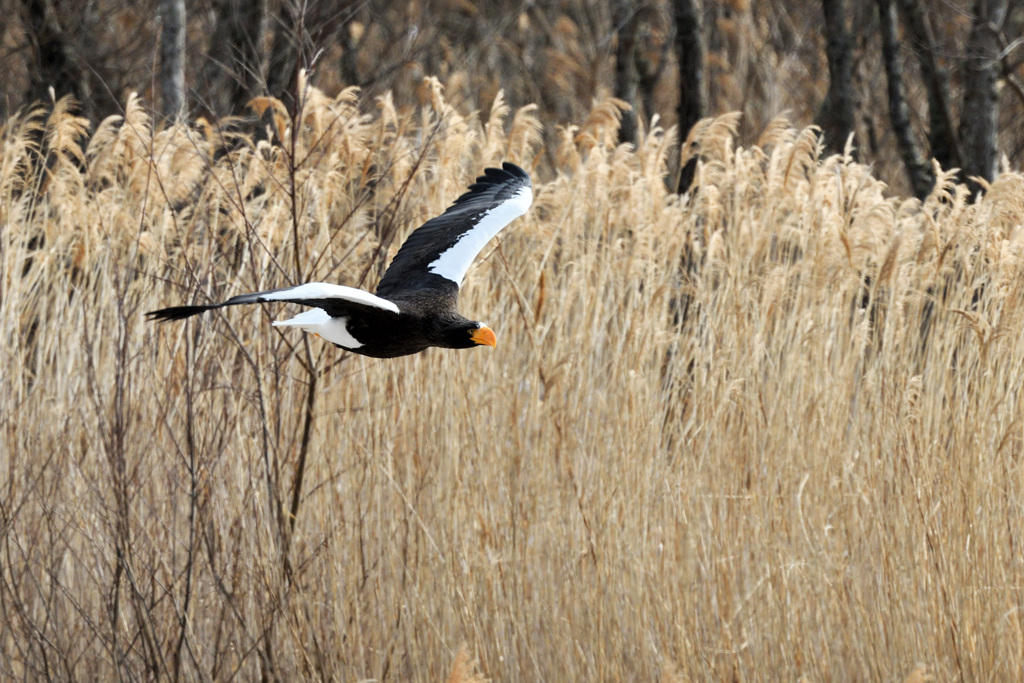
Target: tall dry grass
<point>769,430</point>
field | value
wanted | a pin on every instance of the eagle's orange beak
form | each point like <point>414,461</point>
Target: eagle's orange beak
<point>484,336</point>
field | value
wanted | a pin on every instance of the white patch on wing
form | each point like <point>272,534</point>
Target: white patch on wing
<point>316,320</point>
<point>453,263</point>
<point>325,290</point>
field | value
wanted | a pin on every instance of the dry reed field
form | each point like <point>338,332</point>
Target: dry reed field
<point>768,430</point>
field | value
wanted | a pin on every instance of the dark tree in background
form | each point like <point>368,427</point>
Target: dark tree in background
<point>624,18</point>
<point>979,122</point>
<point>690,55</point>
<point>919,170</point>
<point>837,116</point>
<point>945,148</point>
<point>692,106</point>
<point>172,58</point>
<point>972,145</point>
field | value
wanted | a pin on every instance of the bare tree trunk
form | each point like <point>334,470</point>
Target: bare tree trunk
<point>693,106</point>
<point>234,71</point>
<point>837,115</point>
<point>918,170</point>
<point>979,120</point>
<point>945,147</point>
<point>690,54</point>
<point>171,77</point>
<point>624,16</point>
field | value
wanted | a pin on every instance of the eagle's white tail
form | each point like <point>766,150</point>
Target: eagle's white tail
<point>316,320</point>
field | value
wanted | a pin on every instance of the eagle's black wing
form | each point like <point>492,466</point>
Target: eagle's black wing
<point>438,253</point>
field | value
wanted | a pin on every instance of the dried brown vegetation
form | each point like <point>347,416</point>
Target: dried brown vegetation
<point>768,430</point>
